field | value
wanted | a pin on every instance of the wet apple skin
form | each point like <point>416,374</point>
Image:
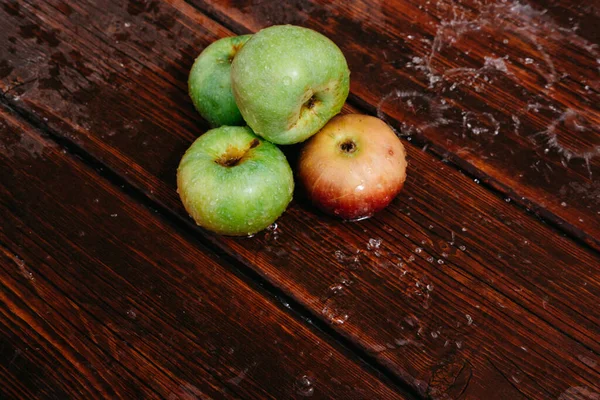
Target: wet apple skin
<point>239,199</point>
<point>278,72</point>
<point>353,184</point>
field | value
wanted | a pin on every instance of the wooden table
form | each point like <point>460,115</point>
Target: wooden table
<point>480,281</point>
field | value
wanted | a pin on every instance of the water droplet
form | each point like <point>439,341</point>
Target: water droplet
<point>418,250</point>
<point>345,280</point>
<point>22,268</point>
<point>332,309</point>
<point>469,319</point>
<point>336,289</point>
<point>335,316</point>
<point>528,61</point>
<point>463,248</point>
<point>563,204</point>
<point>131,314</point>
<point>305,385</point>
<point>517,376</point>
<point>463,229</point>
<point>272,232</point>
<point>114,215</point>
<point>440,261</point>
<point>352,262</point>
<point>374,244</point>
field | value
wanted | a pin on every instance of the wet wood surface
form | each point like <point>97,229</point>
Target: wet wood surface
<point>501,89</point>
<point>454,291</point>
<point>104,297</point>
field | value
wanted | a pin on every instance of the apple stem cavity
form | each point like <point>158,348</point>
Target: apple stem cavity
<point>348,146</point>
<point>234,156</point>
<point>311,102</point>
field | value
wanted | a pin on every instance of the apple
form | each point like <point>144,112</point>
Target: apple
<point>353,167</point>
<point>209,82</point>
<point>288,81</point>
<point>234,183</point>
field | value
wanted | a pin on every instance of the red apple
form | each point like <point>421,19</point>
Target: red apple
<point>353,167</point>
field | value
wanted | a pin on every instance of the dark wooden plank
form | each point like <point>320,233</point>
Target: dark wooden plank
<point>497,87</point>
<point>581,16</point>
<point>451,251</point>
<point>103,298</point>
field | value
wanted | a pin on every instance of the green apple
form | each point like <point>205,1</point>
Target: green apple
<point>288,82</point>
<point>234,183</point>
<point>209,82</point>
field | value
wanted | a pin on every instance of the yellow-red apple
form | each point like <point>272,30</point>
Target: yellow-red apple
<point>353,167</point>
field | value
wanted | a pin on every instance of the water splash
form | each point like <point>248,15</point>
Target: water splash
<point>335,307</point>
<point>414,106</point>
<point>480,124</point>
<point>352,261</point>
<point>571,121</point>
<point>374,244</point>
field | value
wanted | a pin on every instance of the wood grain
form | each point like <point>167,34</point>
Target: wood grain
<point>499,88</point>
<point>104,298</point>
<point>465,295</point>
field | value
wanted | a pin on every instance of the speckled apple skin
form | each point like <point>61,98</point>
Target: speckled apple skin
<point>353,185</point>
<point>209,82</point>
<point>239,200</point>
<point>276,73</point>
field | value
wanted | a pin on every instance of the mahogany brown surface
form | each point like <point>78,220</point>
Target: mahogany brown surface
<point>104,297</point>
<point>455,290</point>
